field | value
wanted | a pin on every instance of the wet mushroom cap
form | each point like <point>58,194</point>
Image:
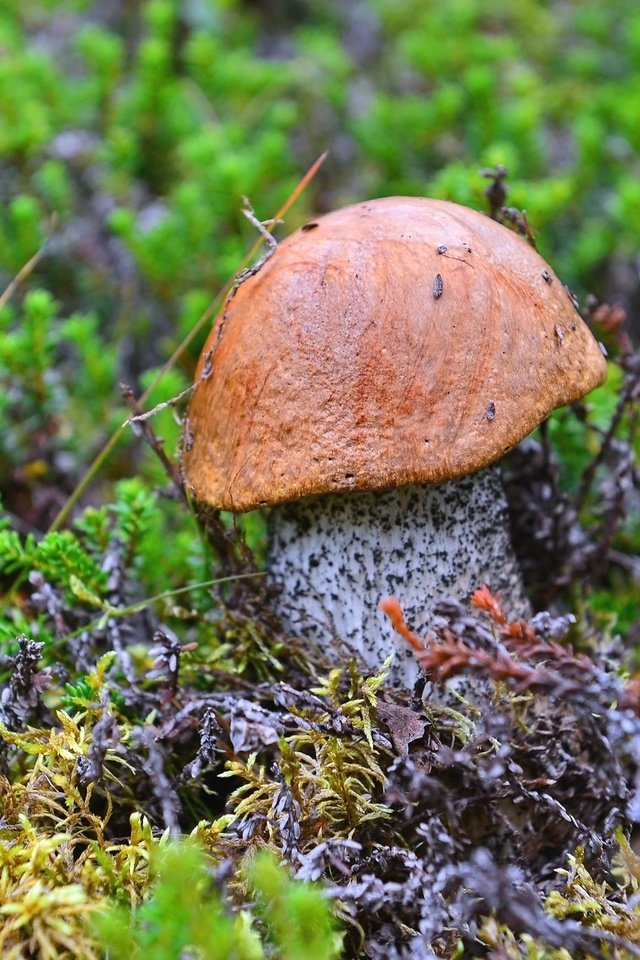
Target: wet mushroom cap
<point>402,340</point>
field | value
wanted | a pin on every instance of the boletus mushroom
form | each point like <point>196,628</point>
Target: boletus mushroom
<point>364,383</point>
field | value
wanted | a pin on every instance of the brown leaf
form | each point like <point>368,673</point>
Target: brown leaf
<point>403,724</point>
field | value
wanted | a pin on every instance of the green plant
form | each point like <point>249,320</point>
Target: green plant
<point>186,915</point>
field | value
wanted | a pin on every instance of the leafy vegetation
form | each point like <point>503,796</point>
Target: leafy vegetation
<point>147,692</point>
<point>184,914</point>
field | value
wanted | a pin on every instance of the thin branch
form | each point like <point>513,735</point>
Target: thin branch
<point>120,612</point>
<point>629,389</point>
<point>25,270</point>
<point>142,417</point>
<point>142,428</point>
<point>269,239</point>
<point>174,401</point>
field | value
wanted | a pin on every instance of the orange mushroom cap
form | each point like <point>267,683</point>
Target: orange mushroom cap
<point>402,340</point>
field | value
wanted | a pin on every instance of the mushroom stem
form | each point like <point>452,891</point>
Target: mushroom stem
<point>337,556</point>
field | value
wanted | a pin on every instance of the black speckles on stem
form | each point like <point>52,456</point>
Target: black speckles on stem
<point>337,556</point>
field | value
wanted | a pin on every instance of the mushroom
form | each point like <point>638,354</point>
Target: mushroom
<point>364,382</point>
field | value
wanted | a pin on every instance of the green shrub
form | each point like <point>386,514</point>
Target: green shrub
<point>185,914</point>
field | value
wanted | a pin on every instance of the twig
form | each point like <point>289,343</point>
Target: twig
<point>155,767</point>
<point>261,225</point>
<point>141,427</point>
<point>25,270</point>
<point>627,561</point>
<point>496,192</point>
<point>142,417</point>
<point>627,394</point>
<point>174,401</point>
<point>110,612</point>
<point>269,239</point>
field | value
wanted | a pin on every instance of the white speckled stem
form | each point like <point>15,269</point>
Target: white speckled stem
<point>337,556</point>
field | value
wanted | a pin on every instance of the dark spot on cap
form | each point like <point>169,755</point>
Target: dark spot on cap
<point>309,226</point>
<point>438,287</point>
<point>441,249</point>
<point>546,276</point>
<point>491,410</point>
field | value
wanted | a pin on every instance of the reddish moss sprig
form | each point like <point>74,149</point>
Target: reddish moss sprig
<point>445,655</point>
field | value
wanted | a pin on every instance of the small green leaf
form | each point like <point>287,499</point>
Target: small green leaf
<point>83,593</point>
